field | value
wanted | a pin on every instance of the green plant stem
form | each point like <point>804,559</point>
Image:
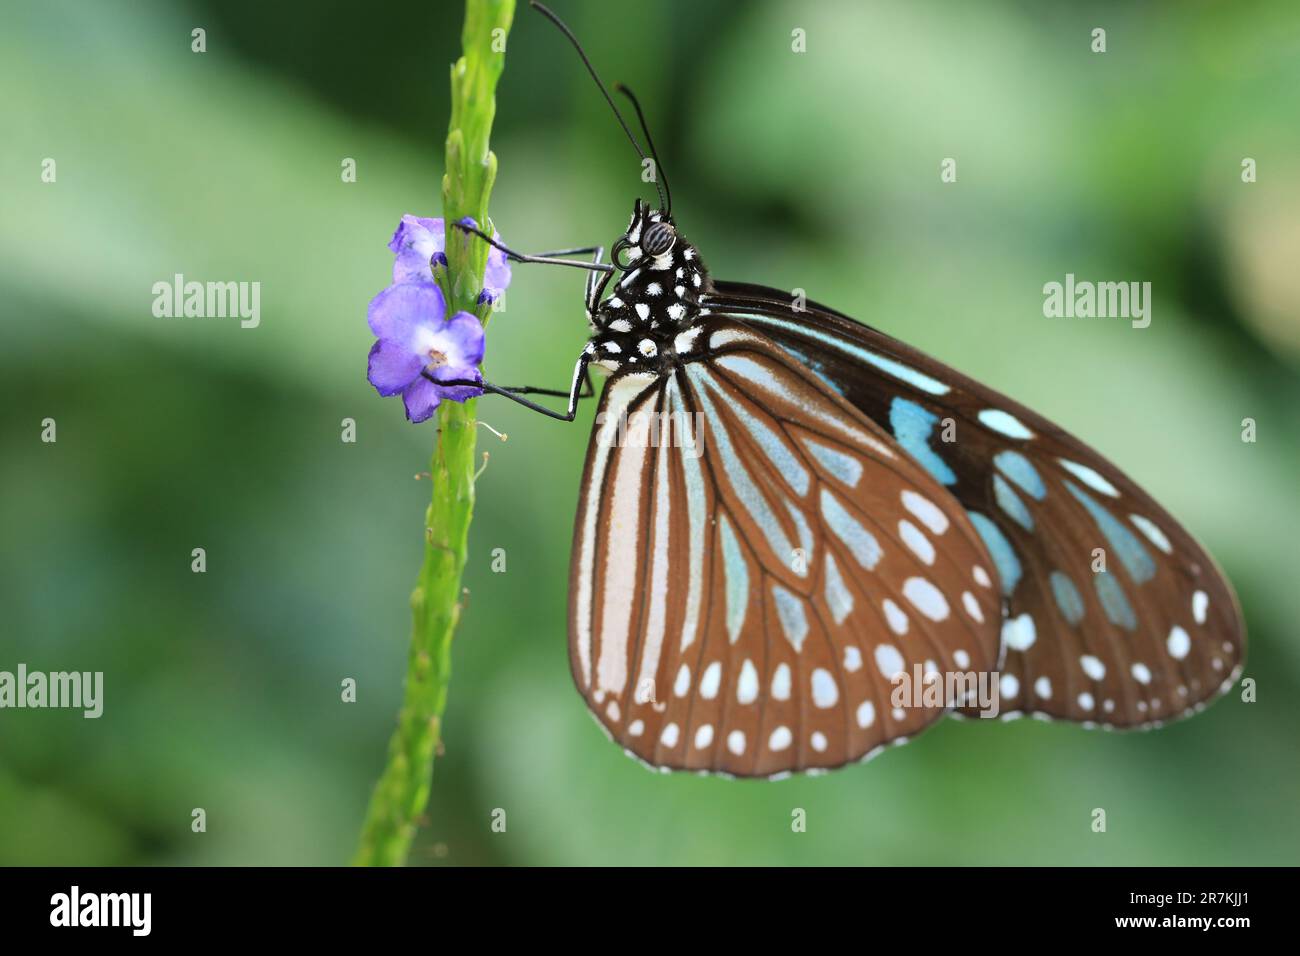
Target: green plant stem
<point>402,792</point>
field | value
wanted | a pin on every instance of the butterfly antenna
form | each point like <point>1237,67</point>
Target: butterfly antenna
<point>645,129</point>
<point>550,15</point>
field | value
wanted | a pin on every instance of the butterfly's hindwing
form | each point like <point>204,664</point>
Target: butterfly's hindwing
<point>747,584</point>
<point>1150,638</point>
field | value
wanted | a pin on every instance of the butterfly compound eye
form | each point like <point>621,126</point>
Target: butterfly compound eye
<point>658,239</point>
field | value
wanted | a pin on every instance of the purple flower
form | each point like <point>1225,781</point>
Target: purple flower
<point>415,338</point>
<point>418,241</point>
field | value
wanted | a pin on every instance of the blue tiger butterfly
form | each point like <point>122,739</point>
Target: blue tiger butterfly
<point>786,514</point>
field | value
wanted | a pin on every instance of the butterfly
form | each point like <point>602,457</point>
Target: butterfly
<point>786,516</point>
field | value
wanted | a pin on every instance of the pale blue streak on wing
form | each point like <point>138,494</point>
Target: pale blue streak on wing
<point>737,574</point>
<point>736,472</point>
<point>904,373</point>
<point>801,525</point>
<point>1004,556</point>
<point>695,510</point>
<point>1124,542</point>
<point>844,467</point>
<point>791,469</point>
<point>1010,502</point>
<point>1113,602</point>
<point>860,542</point>
<point>1067,597</point>
<point>838,597</point>
<point>794,621</point>
<point>761,376</point>
<point>1017,467</point>
<point>912,425</point>
<point>817,369</point>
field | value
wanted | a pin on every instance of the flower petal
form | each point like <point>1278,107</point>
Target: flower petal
<point>415,242</point>
<point>497,276</point>
<point>400,311</point>
<point>391,368</point>
<point>421,398</point>
<point>463,338</point>
<point>412,228</point>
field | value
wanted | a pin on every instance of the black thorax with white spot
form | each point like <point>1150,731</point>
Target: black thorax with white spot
<point>646,319</point>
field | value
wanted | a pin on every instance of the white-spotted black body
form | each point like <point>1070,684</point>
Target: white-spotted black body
<point>647,318</point>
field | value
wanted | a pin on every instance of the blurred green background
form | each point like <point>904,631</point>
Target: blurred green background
<point>816,170</point>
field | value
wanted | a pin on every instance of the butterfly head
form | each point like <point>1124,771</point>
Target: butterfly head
<point>654,298</point>
<point>649,241</point>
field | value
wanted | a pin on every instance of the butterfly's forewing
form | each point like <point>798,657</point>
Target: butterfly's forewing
<point>1150,638</point>
<point>748,580</point>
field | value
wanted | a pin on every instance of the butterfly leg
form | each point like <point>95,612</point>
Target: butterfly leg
<point>587,390</point>
<point>578,251</point>
<point>554,259</point>
<point>581,388</point>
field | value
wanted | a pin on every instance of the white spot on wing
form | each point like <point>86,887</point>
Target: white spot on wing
<point>1178,643</point>
<point>1019,633</point>
<point>825,693</point>
<point>895,616</point>
<point>889,661</point>
<point>1004,423</point>
<point>1090,478</point>
<point>1200,604</point>
<point>866,714</point>
<point>1153,533</point>
<point>781,682</point>
<point>1092,666</point>
<point>711,680</point>
<point>931,515</point>
<point>926,598</point>
<point>685,341</point>
<point>915,540</point>
<point>683,683</point>
<point>747,686</point>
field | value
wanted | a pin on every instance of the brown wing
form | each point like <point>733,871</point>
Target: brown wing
<point>1114,613</point>
<point>755,562</point>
